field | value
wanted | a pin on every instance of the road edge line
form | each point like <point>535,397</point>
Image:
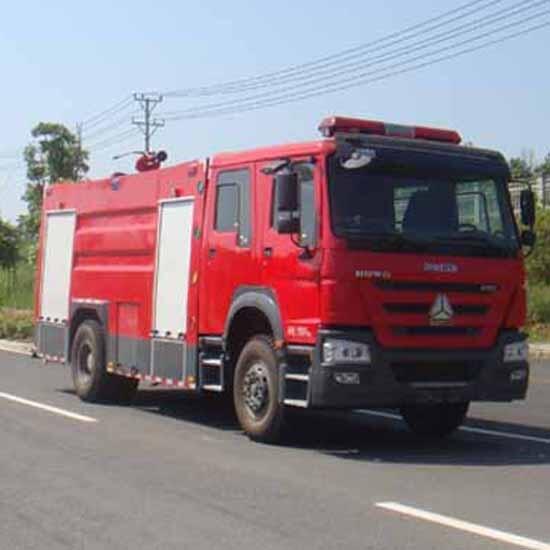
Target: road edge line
<point>14,346</point>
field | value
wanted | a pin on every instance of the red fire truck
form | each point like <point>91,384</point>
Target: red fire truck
<point>380,266</point>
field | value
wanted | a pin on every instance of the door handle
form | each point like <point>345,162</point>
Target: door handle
<point>211,252</point>
<point>268,252</point>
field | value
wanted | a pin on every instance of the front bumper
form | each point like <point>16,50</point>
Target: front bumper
<point>404,377</point>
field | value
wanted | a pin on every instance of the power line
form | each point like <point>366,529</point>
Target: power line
<point>313,81</point>
<point>84,127</point>
<point>445,36</point>
<point>235,86</point>
<point>94,120</point>
<point>12,166</point>
<point>337,87</point>
<point>148,130</point>
<point>336,72</point>
<point>113,140</point>
<point>113,125</point>
<point>11,155</point>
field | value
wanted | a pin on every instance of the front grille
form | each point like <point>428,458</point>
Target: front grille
<point>435,331</point>
<point>424,308</point>
<point>449,371</point>
<point>422,286</point>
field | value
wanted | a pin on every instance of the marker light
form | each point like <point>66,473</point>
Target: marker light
<point>333,125</point>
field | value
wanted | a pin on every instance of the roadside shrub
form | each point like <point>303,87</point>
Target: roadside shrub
<point>16,324</point>
<point>17,286</point>
<point>538,305</point>
<point>538,264</point>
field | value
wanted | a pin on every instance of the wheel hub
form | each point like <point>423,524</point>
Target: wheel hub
<point>256,388</point>
<point>86,362</point>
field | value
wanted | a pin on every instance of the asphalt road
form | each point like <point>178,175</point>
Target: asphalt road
<point>173,472</point>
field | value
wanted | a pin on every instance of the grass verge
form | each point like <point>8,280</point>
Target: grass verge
<point>16,324</point>
<point>17,287</point>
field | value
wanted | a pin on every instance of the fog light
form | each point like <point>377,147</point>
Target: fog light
<point>336,350</point>
<point>518,375</point>
<point>515,352</point>
<point>347,377</point>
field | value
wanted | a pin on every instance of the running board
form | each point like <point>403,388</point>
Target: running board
<point>212,387</point>
<point>300,403</point>
<point>298,377</point>
<point>211,364</point>
<point>295,376</point>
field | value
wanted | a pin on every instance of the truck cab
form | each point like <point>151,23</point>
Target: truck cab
<point>391,264</point>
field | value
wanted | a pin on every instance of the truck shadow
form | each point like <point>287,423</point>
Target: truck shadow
<point>359,437</point>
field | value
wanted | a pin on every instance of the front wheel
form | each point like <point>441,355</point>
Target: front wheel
<point>256,391</point>
<point>435,421</point>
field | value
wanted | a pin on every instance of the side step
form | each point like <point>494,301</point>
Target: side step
<point>296,403</point>
<point>295,377</point>
<point>211,364</point>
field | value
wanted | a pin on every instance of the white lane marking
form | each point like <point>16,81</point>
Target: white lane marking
<point>473,528</point>
<point>468,429</point>
<point>48,408</point>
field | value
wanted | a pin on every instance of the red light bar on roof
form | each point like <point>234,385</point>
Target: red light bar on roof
<point>333,125</point>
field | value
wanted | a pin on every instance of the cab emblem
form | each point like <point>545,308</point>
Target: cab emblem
<point>441,312</point>
<point>431,267</point>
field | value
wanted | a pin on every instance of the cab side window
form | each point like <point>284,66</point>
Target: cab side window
<point>227,208</point>
<point>233,205</point>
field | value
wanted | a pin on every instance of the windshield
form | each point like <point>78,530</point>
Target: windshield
<point>465,215</point>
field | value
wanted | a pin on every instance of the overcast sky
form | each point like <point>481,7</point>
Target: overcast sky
<point>65,61</point>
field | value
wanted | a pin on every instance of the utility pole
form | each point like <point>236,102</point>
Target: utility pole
<point>148,125</point>
<point>79,146</point>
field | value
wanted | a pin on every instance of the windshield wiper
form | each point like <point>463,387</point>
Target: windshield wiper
<point>385,241</point>
<point>480,245</point>
<point>479,241</point>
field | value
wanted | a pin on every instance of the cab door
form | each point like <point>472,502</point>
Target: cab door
<point>291,263</point>
<point>229,256</point>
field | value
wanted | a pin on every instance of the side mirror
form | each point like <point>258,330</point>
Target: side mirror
<point>286,192</point>
<point>527,204</point>
<point>286,201</point>
<point>528,238</point>
<point>287,222</point>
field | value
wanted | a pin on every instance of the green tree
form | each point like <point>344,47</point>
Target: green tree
<point>521,169</point>
<point>9,245</point>
<point>538,264</point>
<point>54,155</point>
<point>544,167</point>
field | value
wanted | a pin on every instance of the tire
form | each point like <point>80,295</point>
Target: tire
<point>256,391</point>
<point>435,421</point>
<point>91,380</point>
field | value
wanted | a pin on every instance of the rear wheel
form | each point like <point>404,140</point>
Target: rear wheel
<point>256,391</point>
<point>91,380</point>
<point>435,421</point>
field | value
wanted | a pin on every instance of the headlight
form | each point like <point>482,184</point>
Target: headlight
<point>345,351</point>
<point>518,351</point>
